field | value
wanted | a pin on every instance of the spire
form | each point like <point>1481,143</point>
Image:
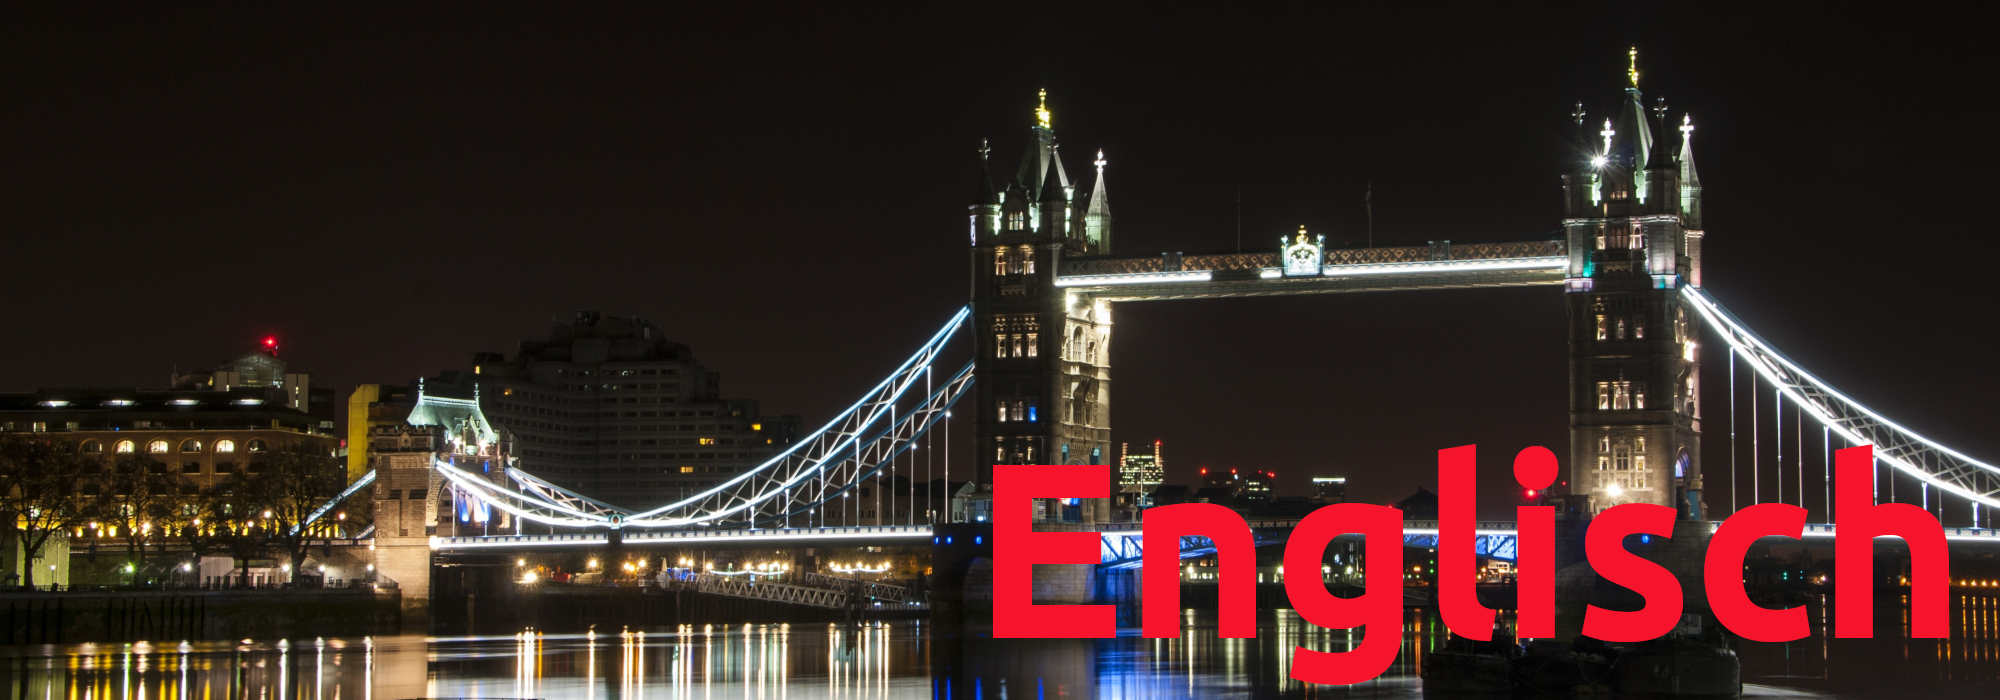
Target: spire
<point>1055,183</point>
<point>1688,176</point>
<point>1637,143</point>
<point>1097,216</point>
<point>1035,163</point>
<point>1662,154</point>
<point>984,194</point>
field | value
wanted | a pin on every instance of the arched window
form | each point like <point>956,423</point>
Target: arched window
<point>157,447</point>
<point>91,447</point>
<point>190,446</point>
<point>125,447</point>
<point>1027,260</point>
<point>225,446</point>
<point>999,262</point>
<point>256,445</point>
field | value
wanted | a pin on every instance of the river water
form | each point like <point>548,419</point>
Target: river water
<point>899,659</point>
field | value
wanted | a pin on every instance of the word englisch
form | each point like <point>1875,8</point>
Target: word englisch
<point>1858,520</point>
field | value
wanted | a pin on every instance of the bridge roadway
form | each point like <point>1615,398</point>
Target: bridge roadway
<point>1122,545</point>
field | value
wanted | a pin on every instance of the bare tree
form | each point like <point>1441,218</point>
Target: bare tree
<point>41,493</point>
<point>140,491</point>
<point>289,486</point>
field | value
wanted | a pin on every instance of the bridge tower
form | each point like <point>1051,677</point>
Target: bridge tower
<point>1043,364</point>
<point>1632,217</point>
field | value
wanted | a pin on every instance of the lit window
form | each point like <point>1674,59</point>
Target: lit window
<point>1018,350</point>
<point>1621,328</point>
<point>707,441</point>
<point>1621,395</point>
<point>1002,417</point>
<point>1000,345</point>
<point>158,447</point>
<point>1603,396</point>
<point>1621,457</point>
<point>756,426</point>
<point>256,445</point>
<point>91,447</point>
<point>190,446</point>
<point>687,470</point>
<point>124,447</point>
<point>225,446</point>
<point>1639,329</point>
<point>1032,342</point>
<point>1639,396</point>
<point>1019,413</point>
<point>999,261</point>
<point>1027,260</point>
<point>1601,335</point>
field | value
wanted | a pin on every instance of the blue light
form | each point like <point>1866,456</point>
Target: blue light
<point>979,539</point>
<point>1645,539</point>
<point>947,539</point>
<point>1031,414</point>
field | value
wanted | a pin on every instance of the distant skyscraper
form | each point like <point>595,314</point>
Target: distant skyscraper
<point>1329,489</point>
<point>607,405</point>
<point>263,369</point>
<point>1139,474</point>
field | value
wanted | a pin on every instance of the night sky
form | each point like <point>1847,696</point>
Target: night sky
<point>785,190</point>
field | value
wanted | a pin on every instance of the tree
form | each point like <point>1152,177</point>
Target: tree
<point>41,493</point>
<point>141,491</point>
<point>289,485</point>
<point>229,517</point>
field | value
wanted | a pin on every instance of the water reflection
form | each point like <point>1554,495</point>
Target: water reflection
<point>905,659</point>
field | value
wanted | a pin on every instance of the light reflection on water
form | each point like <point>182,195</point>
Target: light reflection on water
<point>902,659</point>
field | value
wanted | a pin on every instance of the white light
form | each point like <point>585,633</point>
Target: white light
<point>1549,263</point>
<point>249,402</point>
<point>184,402</point>
<point>118,402</point>
<point>1615,491</point>
<point>55,403</point>
<point>1140,278</point>
<point>1597,161</point>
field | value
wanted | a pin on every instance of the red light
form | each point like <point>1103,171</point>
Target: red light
<point>1204,471</point>
<point>1232,470</point>
<point>1531,493</point>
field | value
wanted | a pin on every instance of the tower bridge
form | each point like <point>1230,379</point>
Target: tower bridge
<point>1045,282</point>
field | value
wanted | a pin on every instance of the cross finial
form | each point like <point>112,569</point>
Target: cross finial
<point>1042,108</point>
<point>1100,162</point>
<point>1632,65</point>
<point>1687,126</point>
<point>985,148</point>
<point>1577,113</point>
<point>1302,234</point>
<point>1607,134</point>
<point>1660,109</point>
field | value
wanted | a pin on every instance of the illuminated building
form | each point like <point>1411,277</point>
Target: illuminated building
<point>372,406</point>
<point>263,369</point>
<point>411,503</point>
<point>201,434</point>
<point>1043,365</point>
<point>1329,489</point>
<point>1632,217</point>
<point>608,405</point>
<point>1139,474</point>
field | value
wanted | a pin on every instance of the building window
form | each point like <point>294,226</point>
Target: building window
<point>225,467</point>
<point>225,446</point>
<point>1604,396</point>
<point>157,447</point>
<point>190,446</point>
<point>1032,342</point>
<point>91,447</point>
<point>39,427</point>
<point>125,447</point>
<point>256,445</point>
<point>999,262</point>
<point>1601,328</point>
<point>190,467</point>
<point>1018,350</point>
<point>1639,396</point>
<point>1621,328</point>
<point>687,469</point>
<point>1020,414</point>
<point>1639,329</point>
<point>999,344</point>
<point>1621,457</point>
<point>1002,412</point>
<point>1027,260</point>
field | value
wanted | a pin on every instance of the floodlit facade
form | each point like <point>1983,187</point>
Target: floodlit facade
<point>1139,474</point>
<point>1632,217</point>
